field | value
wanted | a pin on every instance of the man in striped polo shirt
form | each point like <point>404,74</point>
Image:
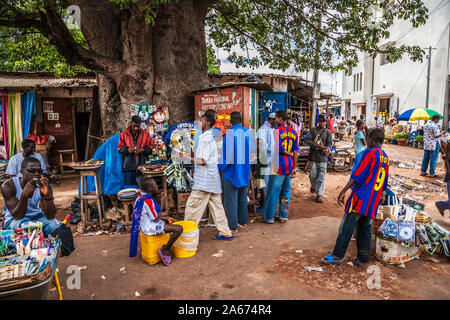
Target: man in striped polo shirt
<point>370,181</point>
<point>285,157</point>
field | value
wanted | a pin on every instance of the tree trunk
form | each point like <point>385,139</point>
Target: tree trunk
<point>160,64</point>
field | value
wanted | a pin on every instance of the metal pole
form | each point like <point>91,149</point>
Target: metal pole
<point>314,106</point>
<point>428,77</point>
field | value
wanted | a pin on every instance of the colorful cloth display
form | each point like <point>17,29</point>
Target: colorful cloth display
<point>5,122</point>
<point>28,110</point>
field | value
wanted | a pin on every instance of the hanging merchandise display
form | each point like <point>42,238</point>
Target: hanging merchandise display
<point>159,151</point>
<point>155,119</point>
<point>179,177</point>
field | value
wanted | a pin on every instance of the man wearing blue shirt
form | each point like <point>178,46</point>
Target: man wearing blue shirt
<point>238,144</point>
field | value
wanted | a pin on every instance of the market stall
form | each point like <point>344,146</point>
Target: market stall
<point>27,262</point>
<point>404,231</point>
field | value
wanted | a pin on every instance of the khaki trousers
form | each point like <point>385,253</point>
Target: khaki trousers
<point>196,206</point>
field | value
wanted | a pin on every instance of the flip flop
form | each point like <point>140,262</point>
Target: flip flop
<point>281,220</point>
<point>329,259</point>
<point>167,260</point>
<point>356,260</point>
<point>221,237</point>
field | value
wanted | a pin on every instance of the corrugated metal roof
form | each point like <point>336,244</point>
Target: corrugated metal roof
<point>44,80</point>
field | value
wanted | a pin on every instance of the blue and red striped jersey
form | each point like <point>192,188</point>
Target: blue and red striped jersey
<point>371,177</point>
<point>286,139</point>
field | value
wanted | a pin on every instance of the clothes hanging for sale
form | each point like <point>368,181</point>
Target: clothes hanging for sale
<point>28,110</point>
<point>18,121</point>
<point>11,133</point>
<point>5,121</point>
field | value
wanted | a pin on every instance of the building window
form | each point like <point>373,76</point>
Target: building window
<point>360,81</point>
<point>357,81</point>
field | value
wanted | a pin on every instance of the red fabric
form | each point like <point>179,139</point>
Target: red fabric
<point>38,139</point>
<point>331,124</point>
<point>126,139</point>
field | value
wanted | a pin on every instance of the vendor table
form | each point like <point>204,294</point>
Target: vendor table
<point>90,195</point>
<point>162,176</point>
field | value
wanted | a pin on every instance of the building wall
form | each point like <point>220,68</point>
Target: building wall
<point>407,79</point>
<point>68,92</point>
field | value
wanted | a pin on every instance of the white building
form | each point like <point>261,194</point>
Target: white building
<point>378,88</point>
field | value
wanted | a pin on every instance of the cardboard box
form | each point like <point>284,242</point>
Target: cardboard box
<point>394,252</point>
<point>181,208</point>
<point>182,198</point>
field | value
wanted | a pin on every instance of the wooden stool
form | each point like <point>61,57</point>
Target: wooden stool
<point>126,204</point>
<point>90,195</point>
<point>63,163</point>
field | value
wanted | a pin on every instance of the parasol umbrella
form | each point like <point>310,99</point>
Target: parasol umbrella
<point>417,114</point>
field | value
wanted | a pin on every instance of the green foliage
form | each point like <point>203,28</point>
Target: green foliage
<point>305,34</point>
<point>401,136</point>
<point>30,51</point>
<point>213,63</point>
<point>309,34</point>
<point>419,139</point>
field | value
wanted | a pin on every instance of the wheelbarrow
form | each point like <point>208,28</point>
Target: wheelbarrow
<point>38,291</point>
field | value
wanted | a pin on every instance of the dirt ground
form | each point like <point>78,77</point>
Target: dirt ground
<point>264,261</point>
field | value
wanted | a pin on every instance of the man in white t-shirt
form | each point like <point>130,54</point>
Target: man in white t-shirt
<point>28,150</point>
<point>266,144</point>
<point>207,189</point>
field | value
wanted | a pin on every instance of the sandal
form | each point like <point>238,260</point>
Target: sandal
<point>356,260</point>
<point>221,237</point>
<point>329,259</point>
<point>167,260</point>
<point>281,220</point>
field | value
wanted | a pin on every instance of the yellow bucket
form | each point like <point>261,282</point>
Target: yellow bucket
<point>179,248</point>
<point>150,246</point>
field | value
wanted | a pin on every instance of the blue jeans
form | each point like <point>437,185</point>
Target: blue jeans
<point>48,226</point>
<point>130,177</point>
<point>235,204</point>
<point>445,205</point>
<point>430,156</point>
<point>279,188</point>
<point>317,173</point>
<point>363,226</point>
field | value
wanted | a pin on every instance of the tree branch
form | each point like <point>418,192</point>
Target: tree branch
<point>59,35</point>
<point>242,32</point>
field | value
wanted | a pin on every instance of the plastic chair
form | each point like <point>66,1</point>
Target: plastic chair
<point>412,138</point>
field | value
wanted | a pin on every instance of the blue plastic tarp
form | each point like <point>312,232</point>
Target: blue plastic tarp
<point>111,175</point>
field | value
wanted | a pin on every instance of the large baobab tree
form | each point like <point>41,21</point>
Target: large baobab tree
<point>154,51</point>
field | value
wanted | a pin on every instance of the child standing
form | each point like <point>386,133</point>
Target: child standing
<point>360,143</point>
<point>147,218</point>
<point>370,182</point>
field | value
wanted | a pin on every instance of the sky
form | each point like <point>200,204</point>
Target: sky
<point>329,83</point>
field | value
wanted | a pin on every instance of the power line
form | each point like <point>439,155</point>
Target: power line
<point>432,11</point>
<point>425,65</point>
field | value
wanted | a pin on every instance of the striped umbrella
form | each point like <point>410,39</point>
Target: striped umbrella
<point>417,114</point>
